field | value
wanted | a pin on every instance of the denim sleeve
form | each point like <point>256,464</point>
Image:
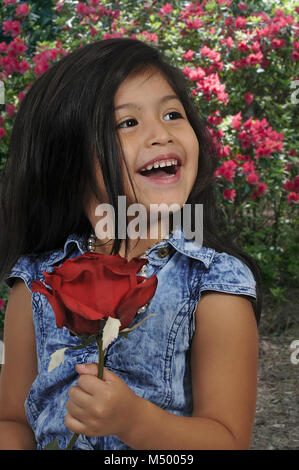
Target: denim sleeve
<point>228,274</point>
<point>21,269</point>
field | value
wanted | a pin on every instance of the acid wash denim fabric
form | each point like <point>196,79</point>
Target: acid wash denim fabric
<point>155,358</point>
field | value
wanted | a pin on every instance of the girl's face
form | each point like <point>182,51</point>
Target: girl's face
<point>154,132</point>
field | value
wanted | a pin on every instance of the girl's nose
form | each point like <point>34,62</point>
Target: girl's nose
<point>158,134</point>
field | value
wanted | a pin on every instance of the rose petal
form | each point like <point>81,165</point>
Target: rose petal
<point>135,299</point>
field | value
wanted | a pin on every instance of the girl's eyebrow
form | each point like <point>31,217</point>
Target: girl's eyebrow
<point>135,106</point>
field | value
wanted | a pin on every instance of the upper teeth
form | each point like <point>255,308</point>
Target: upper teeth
<point>160,164</point>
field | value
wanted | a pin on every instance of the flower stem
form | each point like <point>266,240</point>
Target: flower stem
<point>72,441</point>
<point>99,341</point>
<point>101,357</point>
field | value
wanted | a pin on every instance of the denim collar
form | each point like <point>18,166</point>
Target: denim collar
<point>177,239</point>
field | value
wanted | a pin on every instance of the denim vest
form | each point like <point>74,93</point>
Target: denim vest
<point>154,360</point>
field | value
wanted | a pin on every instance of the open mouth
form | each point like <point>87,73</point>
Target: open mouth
<point>165,169</point>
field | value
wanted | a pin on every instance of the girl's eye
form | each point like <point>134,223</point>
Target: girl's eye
<point>122,124</point>
<point>128,122</point>
<point>174,113</point>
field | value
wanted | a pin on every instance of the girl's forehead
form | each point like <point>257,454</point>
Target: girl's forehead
<point>151,79</point>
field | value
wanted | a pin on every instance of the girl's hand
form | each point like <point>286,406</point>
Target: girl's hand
<point>100,407</point>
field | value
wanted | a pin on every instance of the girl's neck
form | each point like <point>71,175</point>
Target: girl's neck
<point>136,248</point>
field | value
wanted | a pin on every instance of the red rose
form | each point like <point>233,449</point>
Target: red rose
<point>94,286</point>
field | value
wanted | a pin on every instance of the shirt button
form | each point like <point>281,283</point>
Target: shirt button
<point>163,251</point>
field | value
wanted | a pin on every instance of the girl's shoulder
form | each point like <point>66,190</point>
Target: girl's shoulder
<point>30,267</point>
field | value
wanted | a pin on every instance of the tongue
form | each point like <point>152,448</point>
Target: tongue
<point>159,172</point>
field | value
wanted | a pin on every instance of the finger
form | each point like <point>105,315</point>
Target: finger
<point>76,411</point>
<point>84,369</point>
<point>79,396</point>
<point>109,376</point>
<point>74,425</point>
<point>90,384</point>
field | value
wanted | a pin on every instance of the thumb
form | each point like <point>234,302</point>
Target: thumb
<point>87,369</point>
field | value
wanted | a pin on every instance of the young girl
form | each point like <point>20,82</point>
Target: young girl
<point>91,129</point>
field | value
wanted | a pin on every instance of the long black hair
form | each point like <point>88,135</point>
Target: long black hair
<point>64,122</point>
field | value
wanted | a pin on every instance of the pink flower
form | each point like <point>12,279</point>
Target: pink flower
<point>288,185</point>
<point>296,184</point>
<point>9,64</point>
<point>292,186</point>
<point>236,121</point>
<point>23,66</point>
<point>240,22</point>
<point>2,132</point>
<point>149,36</point>
<point>227,170</point>
<point>253,59</point>
<point>229,42</point>
<point>7,2</point>
<point>296,44</point>
<point>10,109</point>
<point>242,158</point>
<point>21,96</point>
<point>242,6</point>
<point>193,24</point>
<point>248,167</point>
<point>253,178</point>
<point>248,123</point>
<point>11,27</point>
<point>293,197</point>
<point>215,118</point>
<point>248,97</point>
<point>224,151</point>
<point>245,139</point>
<point>214,55</point>
<point>211,84</point>
<point>277,43</point>
<point>2,304</point>
<point>42,60</point>
<point>22,10</point>
<point>255,46</point>
<point>82,9</point>
<point>166,9</point>
<point>262,188</point>
<point>242,46</point>
<point>17,47</point>
<point>197,74</point>
<point>40,68</point>
<point>3,47</point>
<point>229,194</point>
<point>59,5</point>
<point>295,56</point>
<point>205,51</point>
<point>228,21</point>
<point>189,55</point>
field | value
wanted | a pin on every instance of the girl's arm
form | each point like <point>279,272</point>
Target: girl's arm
<point>19,370</point>
<point>224,359</point>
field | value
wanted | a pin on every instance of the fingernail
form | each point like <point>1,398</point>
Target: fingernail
<point>81,365</point>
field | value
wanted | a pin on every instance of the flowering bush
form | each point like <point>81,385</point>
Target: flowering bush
<point>241,63</point>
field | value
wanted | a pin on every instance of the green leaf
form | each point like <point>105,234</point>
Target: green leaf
<point>53,445</point>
